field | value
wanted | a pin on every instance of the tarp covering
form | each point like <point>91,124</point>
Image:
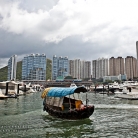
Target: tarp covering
<point>43,95</point>
<point>61,92</point>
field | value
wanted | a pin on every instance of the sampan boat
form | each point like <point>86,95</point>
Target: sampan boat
<point>65,103</point>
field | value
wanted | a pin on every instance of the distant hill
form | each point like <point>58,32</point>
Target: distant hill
<point>4,71</point>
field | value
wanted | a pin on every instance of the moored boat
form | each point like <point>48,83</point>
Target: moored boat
<point>62,103</point>
<point>129,93</point>
<point>128,96</point>
<point>100,88</point>
<point>73,85</point>
<point>10,89</point>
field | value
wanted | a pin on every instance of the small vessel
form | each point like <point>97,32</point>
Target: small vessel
<point>2,96</point>
<point>65,103</point>
<point>113,87</point>
<point>129,93</point>
<point>27,88</point>
<point>10,89</point>
<point>100,88</point>
<point>37,87</point>
<point>92,87</point>
<point>73,85</point>
<point>128,96</point>
<point>133,84</point>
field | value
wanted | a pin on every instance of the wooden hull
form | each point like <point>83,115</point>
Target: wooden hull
<point>73,114</point>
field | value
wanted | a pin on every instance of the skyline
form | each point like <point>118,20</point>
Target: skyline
<point>79,29</point>
<point>73,59</point>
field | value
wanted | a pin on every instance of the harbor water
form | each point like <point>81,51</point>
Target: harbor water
<point>113,118</point>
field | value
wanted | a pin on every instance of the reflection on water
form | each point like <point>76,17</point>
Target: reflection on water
<point>24,117</point>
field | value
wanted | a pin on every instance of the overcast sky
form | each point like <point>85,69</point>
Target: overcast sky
<point>79,29</point>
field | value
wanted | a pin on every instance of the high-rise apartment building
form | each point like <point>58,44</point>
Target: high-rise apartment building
<point>137,49</point>
<point>34,67</point>
<point>120,66</point>
<point>94,69</point>
<point>71,68</point>
<point>75,68</point>
<point>116,66</point>
<point>80,69</point>
<point>12,65</point>
<point>60,67</point>
<point>100,68</point>
<point>131,67</point>
<point>85,69</point>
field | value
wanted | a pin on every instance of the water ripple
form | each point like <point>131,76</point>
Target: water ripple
<point>24,118</point>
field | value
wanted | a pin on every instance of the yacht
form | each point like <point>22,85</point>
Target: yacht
<point>73,85</point>
<point>113,87</point>
<point>133,84</point>
<point>10,87</point>
<point>100,88</point>
<point>128,93</point>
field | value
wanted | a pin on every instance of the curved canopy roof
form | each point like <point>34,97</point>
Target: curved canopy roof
<point>61,92</point>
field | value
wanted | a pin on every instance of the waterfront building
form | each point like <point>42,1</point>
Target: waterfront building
<point>116,66</point>
<point>131,68</point>
<point>94,63</point>
<point>114,78</point>
<point>80,69</point>
<point>12,66</point>
<point>85,69</point>
<point>137,54</point>
<point>100,68</point>
<point>74,66</point>
<point>71,68</point>
<point>77,69</point>
<point>137,49</point>
<point>60,67</point>
<point>34,67</point>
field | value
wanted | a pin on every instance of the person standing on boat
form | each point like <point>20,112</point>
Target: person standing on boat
<point>129,88</point>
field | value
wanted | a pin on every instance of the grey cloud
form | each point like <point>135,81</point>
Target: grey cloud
<point>35,5</point>
<point>52,23</point>
<point>32,5</point>
<point>72,46</point>
<point>80,37</point>
<point>16,44</point>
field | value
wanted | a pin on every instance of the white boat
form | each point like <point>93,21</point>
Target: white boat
<point>92,87</point>
<point>2,96</point>
<point>103,92</point>
<point>128,93</point>
<point>100,88</point>
<point>10,88</point>
<point>37,88</point>
<point>73,85</point>
<point>133,84</point>
<point>127,96</point>
<point>27,88</point>
<point>118,92</point>
<point>112,87</point>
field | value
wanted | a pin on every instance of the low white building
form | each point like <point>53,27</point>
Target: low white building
<point>113,78</point>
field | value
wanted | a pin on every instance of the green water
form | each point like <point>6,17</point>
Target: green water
<point>24,118</point>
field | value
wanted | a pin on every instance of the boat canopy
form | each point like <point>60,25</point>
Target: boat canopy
<point>61,92</point>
